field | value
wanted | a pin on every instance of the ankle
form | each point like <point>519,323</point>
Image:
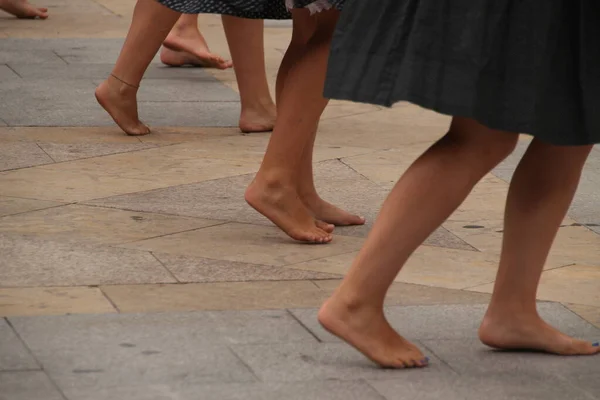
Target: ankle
<point>511,310</point>
<point>260,105</point>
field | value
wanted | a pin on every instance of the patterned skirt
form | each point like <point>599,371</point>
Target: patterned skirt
<point>253,9</point>
<point>527,66</point>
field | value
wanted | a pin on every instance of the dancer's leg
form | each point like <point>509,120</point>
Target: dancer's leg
<point>540,194</point>
<point>246,45</point>
<point>150,26</point>
<point>274,192</point>
<point>185,45</point>
<point>430,190</point>
<point>22,9</point>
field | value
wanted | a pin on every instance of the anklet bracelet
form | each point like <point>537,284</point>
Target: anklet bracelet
<point>122,81</point>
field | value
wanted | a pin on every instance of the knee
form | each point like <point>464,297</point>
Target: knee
<point>484,146</point>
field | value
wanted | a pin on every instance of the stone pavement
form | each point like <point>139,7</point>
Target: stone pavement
<point>131,268</point>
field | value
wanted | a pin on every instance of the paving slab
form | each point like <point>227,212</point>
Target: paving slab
<point>96,71</point>
<point>586,205</point>
<point>506,385</point>
<point>94,351</point>
<point>23,301</point>
<point>469,356</point>
<point>458,321</point>
<point>224,198</point>
<point>331,390</point>
<point>16,205</point>
<point>28,261</point>
<point>21,155</point>
<point>7,73</point>
<point>14,356</point>
<point>197,269</point>
<point>61,152</point>
<point>86,224</point>
<point>244,243</point>
<point>293,362</point>
<point>30,385</point>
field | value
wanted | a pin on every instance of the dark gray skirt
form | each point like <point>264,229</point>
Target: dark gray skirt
<point>527,66</point>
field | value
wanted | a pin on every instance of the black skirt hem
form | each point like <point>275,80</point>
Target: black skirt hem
<point>332,91</point>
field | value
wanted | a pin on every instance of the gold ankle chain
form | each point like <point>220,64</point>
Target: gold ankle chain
<point>122,81</point>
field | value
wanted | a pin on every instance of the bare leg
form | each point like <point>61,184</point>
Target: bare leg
<point>321,210</point>
<point>185,45</point>
<point>22,9</point>
<point>246,44</point>
<point>430,190</point>
<point>149,28</point>
<point>538,199</point>
<point>274,191</point>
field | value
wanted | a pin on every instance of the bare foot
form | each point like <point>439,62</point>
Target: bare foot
<point>329,213</point>
<point>120,102</point>
<point>174,58</point>
<point>192,42</point>
<point>22,9</point>
<point>260,118</point>
<point>283,207</point>
<point>531,333</point>
<point>370,333</point>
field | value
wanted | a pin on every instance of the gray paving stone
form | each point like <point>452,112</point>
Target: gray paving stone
<point>7,74</point>
<point>101,71</point>
<point>46,103</point>
<point>530,385</point>
<point>453,321</point>
<point>92,352</point>
<point>330,390</point>
<point>586,381</point>
<point>27,55</point>
<point>469,356</point>
<point>195,269</point>
<point>73,151</point>
<point>14,155</point>
<point>201,89</point>
<point>28,261</point>
<point>13,354</point>
<point>31,385</point>
<point>214,114</point>
<point>137,333</point>
<point>320,361</point>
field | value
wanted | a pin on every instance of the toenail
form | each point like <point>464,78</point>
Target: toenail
<point>596,344</point>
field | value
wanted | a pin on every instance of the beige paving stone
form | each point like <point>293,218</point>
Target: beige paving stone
<point>389,128</point>
<point>589,313</point>
<point>16,205</point>
<point>198,269</point>
<point>87,224</point>
<point>118,174</point>
<point>409,294</point>
<point>173,135</point>
<point>429,266</point>
<point>215,296</point>
<point>576,284</point>
<point>32,262</point>
<point>119,7</point>
<point>486,201</point>
<point>386,166</point>
<point>574,244</point>
<point>337,109</point>
<point>53,301</point>
<point>251,148</point>
<point>66,135</point>
<point>14,155</point>
<point>256,244</point>
<point>61,152</point>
